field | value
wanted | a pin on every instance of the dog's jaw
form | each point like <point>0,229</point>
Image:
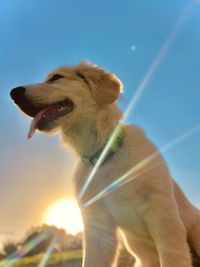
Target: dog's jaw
<point>77,135</point>
<point>45,118</point>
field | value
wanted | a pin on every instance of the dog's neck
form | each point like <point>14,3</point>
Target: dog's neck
<point>88,136</point>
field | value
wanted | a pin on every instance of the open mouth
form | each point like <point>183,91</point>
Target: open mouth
<point>44,115</point>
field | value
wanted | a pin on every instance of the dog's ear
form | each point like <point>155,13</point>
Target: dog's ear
<point>105,87</point>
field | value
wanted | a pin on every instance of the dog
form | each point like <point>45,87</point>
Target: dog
<point>149,211</point>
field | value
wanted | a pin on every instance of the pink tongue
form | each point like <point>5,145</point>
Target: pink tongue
<point>35,122</point>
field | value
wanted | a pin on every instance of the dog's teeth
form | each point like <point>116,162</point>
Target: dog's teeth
<point>61,108</point>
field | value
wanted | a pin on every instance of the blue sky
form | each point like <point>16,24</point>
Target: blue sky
<point>38,36</point>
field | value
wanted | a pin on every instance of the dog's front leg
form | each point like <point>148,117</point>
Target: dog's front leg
<point>100,238</point>
<point>167,230</point>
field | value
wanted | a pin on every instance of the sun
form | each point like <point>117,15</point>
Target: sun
<point>65,213</point>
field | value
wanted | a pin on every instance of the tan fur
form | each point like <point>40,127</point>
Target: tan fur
<point>154,217</point>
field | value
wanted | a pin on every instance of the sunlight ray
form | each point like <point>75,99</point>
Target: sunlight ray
<point>100,160</point>
<point>48,252</point>
<point>124,178</point>
<point>14,257</point>
<point>140,90</point>
<point>160,55</point>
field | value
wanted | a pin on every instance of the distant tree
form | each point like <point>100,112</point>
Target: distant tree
<point>9,247</point>
<point>71,242</point>
<point>43,245</point>
<point>65,241</point>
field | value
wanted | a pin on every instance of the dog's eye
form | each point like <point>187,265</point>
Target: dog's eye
<point>55,78</point>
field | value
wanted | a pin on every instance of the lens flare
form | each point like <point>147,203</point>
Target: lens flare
<point>140,90</point>
<point>14,257</point>
<point>133,47</point>
<point>132,172</point>
<point>46,256</point>
<point>161,54</point>
<point>100,160</point>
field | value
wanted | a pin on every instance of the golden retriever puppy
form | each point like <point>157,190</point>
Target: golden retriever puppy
<point>156,221</point>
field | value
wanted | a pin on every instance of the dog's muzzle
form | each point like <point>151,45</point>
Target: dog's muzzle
<point>43,115</point>
<point>17,92</point>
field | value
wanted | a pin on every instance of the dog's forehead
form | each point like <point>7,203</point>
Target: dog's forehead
<point>64,70</point>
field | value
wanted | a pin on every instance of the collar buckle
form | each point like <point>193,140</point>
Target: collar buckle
<point>117,143</point>
<point>85,160</point>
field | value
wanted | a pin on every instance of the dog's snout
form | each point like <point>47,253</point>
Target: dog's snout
<point>17,92</point>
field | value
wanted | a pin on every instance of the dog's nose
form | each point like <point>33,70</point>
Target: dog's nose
<point>17,92</point>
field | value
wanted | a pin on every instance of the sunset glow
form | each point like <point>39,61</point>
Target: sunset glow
<point>65,214</point>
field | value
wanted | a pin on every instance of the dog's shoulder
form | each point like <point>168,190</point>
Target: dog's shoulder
<point>137,141</point>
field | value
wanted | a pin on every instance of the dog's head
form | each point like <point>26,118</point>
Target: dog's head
<point>67,95</point>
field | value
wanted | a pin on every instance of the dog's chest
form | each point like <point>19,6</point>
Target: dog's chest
<point>125,207</point>
<point>123,203</point>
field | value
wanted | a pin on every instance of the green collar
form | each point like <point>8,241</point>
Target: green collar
<point>115,145</point>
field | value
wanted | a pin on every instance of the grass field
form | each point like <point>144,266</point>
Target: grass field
<point>62,259</point>
<point>69,259</point>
